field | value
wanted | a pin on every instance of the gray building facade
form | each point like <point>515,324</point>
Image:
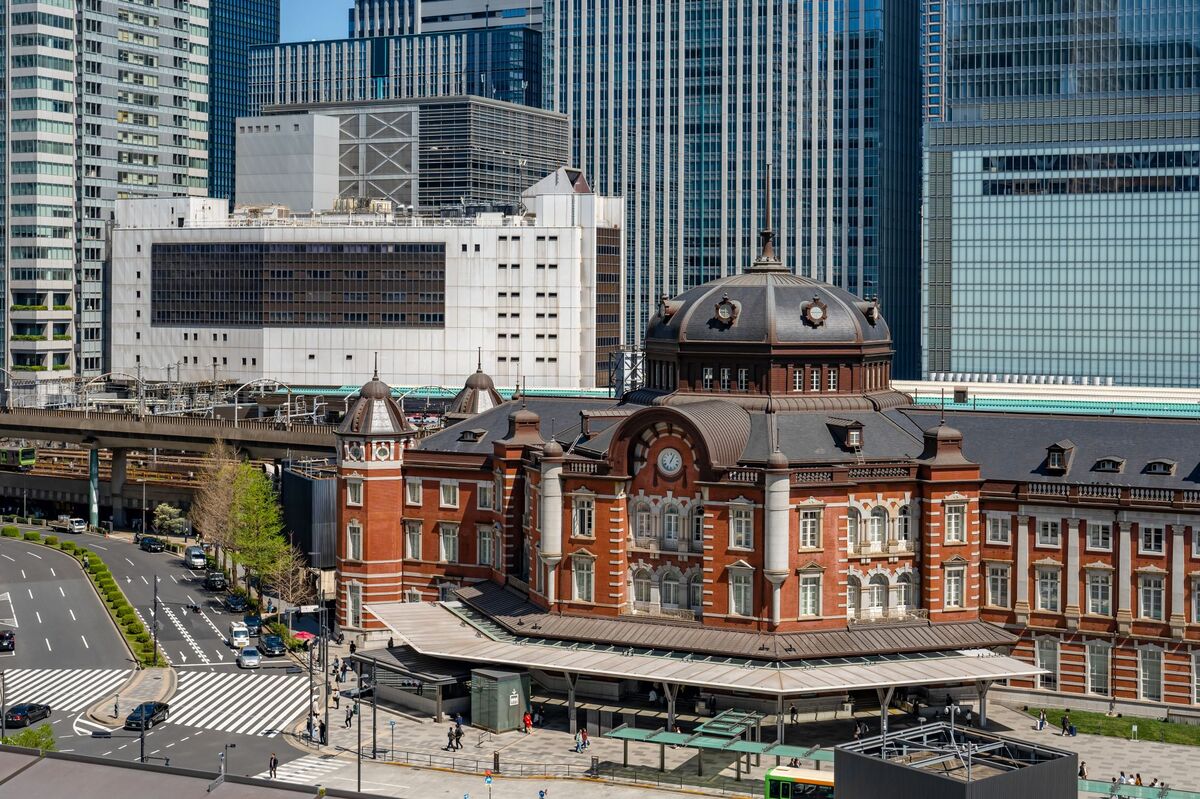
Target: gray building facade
<point>1061,198</point>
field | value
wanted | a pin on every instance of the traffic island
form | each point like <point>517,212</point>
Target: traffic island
<point>147,685</point>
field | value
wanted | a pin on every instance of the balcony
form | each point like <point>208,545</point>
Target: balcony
<point>863,616</point>
<point>658,611</point>
<point>656,544</point>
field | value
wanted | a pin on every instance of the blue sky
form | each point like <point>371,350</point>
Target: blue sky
<point>301,20</point>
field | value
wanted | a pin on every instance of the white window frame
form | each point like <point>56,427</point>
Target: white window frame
<point>1152,534</point>
<point>1155,656</point>
<point>1099,593</point>
<point>815,383</point>
<point>448,539</point>
<point>725,376</point>
<point>1055,459</point>
<point>741,527</point>
<point>1049,533</point>
<point>412,491</point>
<point>412,533</point>
<point>485,551</point>
<point>695,593</point>
<point>743,378</point>
<point>1196,600</point>
<point>448,494</point>
<point>810,595</point>
<point>672,580</point>
<point>1095,653</point>
<point>999,530</point>
<point>1196,678</point>
<point>955,592</point>
<point>904,523</point>
<point>583,517</point>
<point>647,583</point>
<point>877,527</point>
<point>581,565</point>
<point>1099,536</point>
<point>832,382</point>
<point>483,496</point>
<point>854,527</point>
<point>810,528</point>
<point>354,604</point>
<point>798,379</point>
<point>354,492</point>
<point>906,591</point>
<point>955,514</point>
<point>707,378</point>
<point>1047,601</point>
<point>672,524</point>
<point>1041,648</point>
<point>1152,597</point>
<point>643,520</point>
<point>354,540</point>
<point>741,586</point>
<point>999,593</point>
<point>878,593</point>
<point>696,527</point>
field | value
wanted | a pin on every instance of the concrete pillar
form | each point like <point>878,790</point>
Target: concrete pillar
<point>1124,577</point>
<point>671,691</point>
<point>1178,554</point>
<point>982,687</point>
<point>116,485</point>
<point>550,515</point>
<point>777,533</point>
<point>572,681</point>
<point>1072,608</point>
<point>885,701</point>
<point>1022,576</point>
<point>94,486</point>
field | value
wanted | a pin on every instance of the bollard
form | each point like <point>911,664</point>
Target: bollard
<point>496,761</point>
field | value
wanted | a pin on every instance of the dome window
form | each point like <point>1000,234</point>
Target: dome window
<point>815,312</point>
<point>727,311</point>
<point>1109,465</point>
<point>1161,466</point>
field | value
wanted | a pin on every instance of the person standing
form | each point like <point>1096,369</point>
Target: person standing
<point>1083,770</point>
<point>578,742</point>
<point>353,649</point>
<point>583,737</point>
<point>1041,722</point>
<point>273,764</point>
<point>527,722</point>
<point>324,732</point>
<point>1066,722</point>
<point>337,698</point>
<point>349,717</point>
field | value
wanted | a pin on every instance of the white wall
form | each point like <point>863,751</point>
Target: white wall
<point>288,160</point>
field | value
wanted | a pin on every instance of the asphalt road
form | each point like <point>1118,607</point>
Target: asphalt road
<point>59,621</point>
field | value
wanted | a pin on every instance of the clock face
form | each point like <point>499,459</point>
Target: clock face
<point>670,461</point>
<point>382,452</point>
<point>816,312</point>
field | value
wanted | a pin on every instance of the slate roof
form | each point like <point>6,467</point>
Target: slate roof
<point>559,419</point>
<point>514,613</point>
<point>1013,446</point>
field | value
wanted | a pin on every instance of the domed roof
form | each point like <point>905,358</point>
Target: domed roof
<point>478,394</point>
<point>769,305</point>
<point>375,412</point>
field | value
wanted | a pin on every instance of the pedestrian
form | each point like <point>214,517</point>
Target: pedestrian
<point>578,742</point>
<point>273,764</point>
<point>391,643</point>
<point>308,727</point>
<point>353,649</point>
<point>450,739</point>
<point>324,732</point>
<point>793,713</point>
<point>1083,770</point>
<point>116,707</point>
<point>653,696</point>
<point>1154,782</point>
<point>587,742</point>
<point>1122,780</point>
<point>1041,722</point>
<point>458,719</point>
<point>1137,780</point>
<point>86,561</point>
<point>337,698</point>
<point>458,736</point>
<point>336,662</point>
<point>527,722</point>
<point>1066,722</point>
<point>349,717</point>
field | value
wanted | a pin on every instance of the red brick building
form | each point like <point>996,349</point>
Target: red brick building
<point>768,479</point>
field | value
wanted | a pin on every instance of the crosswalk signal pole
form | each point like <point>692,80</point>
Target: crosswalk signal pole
<point>3,706</point>
<point>155,624</point>
<point>358,721</point>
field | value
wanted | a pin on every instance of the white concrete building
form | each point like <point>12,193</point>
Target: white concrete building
<point>309,299</point>
<point>288,160</point>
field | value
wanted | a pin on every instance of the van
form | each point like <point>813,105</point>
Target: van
<point>193,558</point>
<point>239,636</point>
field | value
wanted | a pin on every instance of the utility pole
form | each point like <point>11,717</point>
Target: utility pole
<point>358,719</point>
<point>142,737</point>
<point>374,707</point>
<point>3,706</point>
<point>155,615</point>
<point>309,710</point>
<point>142,480</point>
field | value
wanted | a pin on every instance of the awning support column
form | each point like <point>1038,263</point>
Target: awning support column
<point>671,691</point>
<point>757,740</point>
<point>572,681</point>
<point>662,757</point>
<point>982,687</point>
<point>625,746</point>
<point>885,700</point>
<point>778,724</point>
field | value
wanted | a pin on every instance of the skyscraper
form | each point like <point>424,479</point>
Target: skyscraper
<point>680,106</point>
<point>106,100</point>
<point>236,26</point>
<point>1062,191</point>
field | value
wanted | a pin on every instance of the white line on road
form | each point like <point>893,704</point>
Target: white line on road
<point>34,555</point>
<point>39,616</point>
<point>130,562</point>
<point>122,746</point>
<point>106,754</point>
<point>168,746</point>
<point>97,546</point>
<point>85,643</point>
<point>23,577</point>
<point>14,560</point>
<point>61,592</point>
<point>174,580</point>
<point>189,596</point>
<point>72,614</point>
<point>47,640</point>
<point>52,574</point>
<point>30,590</point>
<point>144,580</point>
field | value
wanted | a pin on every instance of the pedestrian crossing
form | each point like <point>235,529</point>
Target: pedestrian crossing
<point>237,702</point>
<point>307,770</point>
<point>67,690</point>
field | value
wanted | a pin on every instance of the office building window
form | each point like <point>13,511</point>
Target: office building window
<point>956,524</point>
<point>1098,669</point>
<point>1049,533</point>
<point>998,586</point>
<point>1150,593</point>
<point>448,542</point>
<point>354,534</point>
<point>354,491</point>
<point>412,491</point>
<point>1048,593</point>
<point>449,494</point>
<point>743,379</point>
<point>1047,658</point>
<point>412,540</point>
<point>741,528</point>
<point>583,517</point>
<point>1099,536</point>
<point>1153,540</point>
<point>724,379</point>
<point>955,593</point>
<point>810,529</point>
<point>354,604</point>
<point>1150,674</point>
<point>486,547</point>
<point>584,572</point>
<point>998,531</point>
<point>483,497</point>
<point>708,378</point>
<point>740,592</point>
<point>1099,593</point>
<point>810,595</point>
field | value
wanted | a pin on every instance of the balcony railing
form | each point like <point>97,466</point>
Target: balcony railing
<point>656,544</point>
<point>882,615</point>
<point>654,609</point>
<point>1104,492</point>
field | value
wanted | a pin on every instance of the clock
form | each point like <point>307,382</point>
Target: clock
<point>815,312</point>
<point>382,452</point>
<point>669,461</point>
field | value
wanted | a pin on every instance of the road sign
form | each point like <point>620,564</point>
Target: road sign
<point>487,780</point>
<point>308,608</point>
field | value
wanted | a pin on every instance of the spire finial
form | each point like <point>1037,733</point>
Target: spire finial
<point>766,257</point>
<point>376,377</point>
<point>942,404</point>
<point>479,359</point>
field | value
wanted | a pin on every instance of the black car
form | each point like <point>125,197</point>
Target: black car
<point>25,714</point>
<point>215,581</point>
<point>146,715</point>
<point>235,603</point>
<point>272,646</point>
<point>253,624</point>
<point>151,544</point>
<point>8,641</point>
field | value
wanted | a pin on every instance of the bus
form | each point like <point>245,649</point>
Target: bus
<point>786,782</point>
<point>18,459</point>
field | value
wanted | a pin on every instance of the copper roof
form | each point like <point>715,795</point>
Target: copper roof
<point>514,613</point>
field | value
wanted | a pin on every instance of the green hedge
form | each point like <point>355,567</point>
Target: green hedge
<point>32,536</point>
<point>51,540</point>
<point>67,546</point>
<point>10,532</point>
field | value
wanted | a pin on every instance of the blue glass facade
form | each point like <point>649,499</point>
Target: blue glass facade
<point>236,26</point>
<point>680,105</point>
<point>1061,200</point>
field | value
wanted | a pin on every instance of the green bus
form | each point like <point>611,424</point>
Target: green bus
<point>786,782</point>
<point>17,459</point>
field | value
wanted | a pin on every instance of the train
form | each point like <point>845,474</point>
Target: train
<point>17,459</point>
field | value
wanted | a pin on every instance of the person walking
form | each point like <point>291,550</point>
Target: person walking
<point>324,731</point>
<point>1083,770</point>
<point>116,707</point>
<point>793,713</point>
<point>578,742</point>
<point>349,717</point>
<point>583,736</point>
<point>337,697</point>
<point>1041,722</point>
<point>273,764</point>
<point>450,738</point>
<point>353,649</point>
<point>458,736</point>
<point>1066,722</point>
<point>527,722</point>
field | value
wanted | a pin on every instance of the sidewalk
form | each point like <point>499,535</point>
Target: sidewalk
<point>146,685</point>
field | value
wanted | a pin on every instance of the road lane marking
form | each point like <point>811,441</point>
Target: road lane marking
<point>187,636</point>
<point>174,580</point>
<point>34,555</point>
<point>47,640</point>
<point>168,746</point>
<point>13,560</point>
<point>122,746</point>
<point>23,577</point>
<point>61,592</point>
<point>106,754</point>
<point>72,614</point>
<point>39,616</point>
<point>144,580</point>
<point>130,562</point>
<point>97,546</point>
<point>85,643</point>
<point>189,596</point>
<point>30,590</point>
<point>67,690</point>
<point>52,574</point>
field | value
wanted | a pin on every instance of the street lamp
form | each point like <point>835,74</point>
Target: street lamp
<point>142,480</point>
<point>225,758</point>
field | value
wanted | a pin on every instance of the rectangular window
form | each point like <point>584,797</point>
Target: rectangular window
<point>1098,669</point>
<point>485,546</point>
<point>724,379</point>
<point>1047,658</point>
<point>810,595</point>
<point>833,379</point>
<point>740,592</point>
<point>354,604</point>
<point>956,526</point>
<point>741,528</point>
<point>998,586</point>
<point>1153,540</point>
<point>1048,584</point>
<point>584,571</point>
<point>1196,601</point>
<point>448,539</point>
<point>1150,674</point>
<point>1150,593</point>
<point>815,382</point>
<point>708,378</point>
<point>583,519</point>
<point>354,534</point>
<point>412,540</point>
<point>743,379</point>
<point>1049,533</point>
<point>955,579</point>
<point>354,492</point>
<point>797,380</point>
<point>1099,536</point>
<point>449,494</point>
<point>484,496</point>
<point>1099,593</point>
<point>412,491</point>
<point>998,530</point>
<point>810,529</point>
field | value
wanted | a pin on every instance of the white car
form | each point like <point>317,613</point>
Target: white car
<point>249,658</point>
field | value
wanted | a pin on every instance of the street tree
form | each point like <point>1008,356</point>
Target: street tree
<point>258,541</point>
<point>293,581</point>
<point>40,738</point>
<point>213,503</point>
<point>168,520</point>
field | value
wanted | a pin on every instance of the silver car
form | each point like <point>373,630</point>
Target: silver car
<point>194,558</point>
<point>249,658</point>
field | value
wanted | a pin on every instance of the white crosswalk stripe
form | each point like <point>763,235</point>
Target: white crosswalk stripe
<point>250,704</point>
<point>307,770</point>
<point>63,689</point>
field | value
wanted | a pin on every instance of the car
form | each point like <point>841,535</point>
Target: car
<point>253,624</point>
<point>151,544</point>
<point>146,715</point>
<point>215,581</point>
<point>236,603</point>
<point>8,641</point>
<point>239,636</point>
<point>26,713</point>
<point>272,646</point>
<point>194,558</point>
<point>249,658</point>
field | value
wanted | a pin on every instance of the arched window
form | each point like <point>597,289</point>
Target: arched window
<point>853,522</point>
<point>695,592</point>
<point>903,524</point>
<point>643,520</point>
<point>669,590</point>
<point>698,528</point>
<point>877,595</point>
<point>853,597</point>
<point>641,586</point>
<point>906,594</point>
<point>877,528</point>
<point>670,526</point>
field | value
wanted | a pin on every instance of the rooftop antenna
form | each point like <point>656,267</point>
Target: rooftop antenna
<point>376,365</point>
<point>767,257</point>
<point>479,359</point>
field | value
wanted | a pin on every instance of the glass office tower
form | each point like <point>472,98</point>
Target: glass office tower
<point>236,26</point>
<point>680,106</point>
<point>1061,193</point>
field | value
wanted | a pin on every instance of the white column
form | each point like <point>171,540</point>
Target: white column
<point>1022,576</point>
<point>1072,609</point>
<point>550,516</point>
<point>1124,577</point>
<point>1178,609</point>
<point>777,562</point>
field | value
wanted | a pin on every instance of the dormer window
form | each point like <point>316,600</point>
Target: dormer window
<point>1054,460</point>
<point>1163,467</point>
<point>472,435</point>
<point>1109,465</point>
<point>854,437</point>
<point>1058,456</point>
<point>848,433</point>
